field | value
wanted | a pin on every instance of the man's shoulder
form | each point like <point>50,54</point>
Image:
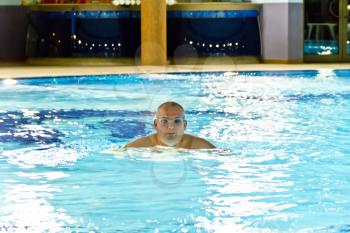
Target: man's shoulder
<point>146,141</point>
<point>199,143</point>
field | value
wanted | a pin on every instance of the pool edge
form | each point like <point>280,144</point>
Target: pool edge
<point>25,71</point>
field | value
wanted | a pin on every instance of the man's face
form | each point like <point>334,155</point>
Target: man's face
<point>170,125</point>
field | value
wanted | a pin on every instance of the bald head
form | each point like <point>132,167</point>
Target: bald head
<point>172,105</point>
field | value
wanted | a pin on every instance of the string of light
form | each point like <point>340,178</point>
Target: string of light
<point>136,2</point>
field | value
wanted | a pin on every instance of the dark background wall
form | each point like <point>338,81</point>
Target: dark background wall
<point>13,29</point>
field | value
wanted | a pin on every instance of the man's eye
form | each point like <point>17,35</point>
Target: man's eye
<point>164,121</point>
<point>178,121</point>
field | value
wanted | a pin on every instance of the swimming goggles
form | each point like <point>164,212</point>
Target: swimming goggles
<point>177,121</point>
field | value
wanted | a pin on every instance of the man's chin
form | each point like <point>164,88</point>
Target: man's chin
<point>170,135</point>
<point>170,142</point>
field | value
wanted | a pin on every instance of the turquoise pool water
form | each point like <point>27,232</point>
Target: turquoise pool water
<point>282,164</point>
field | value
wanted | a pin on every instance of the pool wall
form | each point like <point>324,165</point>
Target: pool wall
<point>12,38</point>
<point>282,32</point>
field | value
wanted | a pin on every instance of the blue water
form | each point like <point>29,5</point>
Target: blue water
<point>282,163</point>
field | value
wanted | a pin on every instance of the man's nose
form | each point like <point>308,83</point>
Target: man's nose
<point>171,125</point>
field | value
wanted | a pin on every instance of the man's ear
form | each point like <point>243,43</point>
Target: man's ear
<point>185,124</point>
<point>155,123</point>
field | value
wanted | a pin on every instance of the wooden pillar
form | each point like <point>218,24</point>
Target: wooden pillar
<point>153,32</point>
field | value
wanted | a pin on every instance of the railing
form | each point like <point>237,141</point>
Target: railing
<point>121,2</point>
<point>114,2</point>
<point>31,2</point>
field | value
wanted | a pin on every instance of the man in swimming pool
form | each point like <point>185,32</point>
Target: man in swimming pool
<point>170,124</point>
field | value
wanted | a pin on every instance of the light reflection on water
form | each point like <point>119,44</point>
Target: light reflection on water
<point>237,188</point>
<point>27,208</point>
<point>230,188</point>
<point>284,167</point>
